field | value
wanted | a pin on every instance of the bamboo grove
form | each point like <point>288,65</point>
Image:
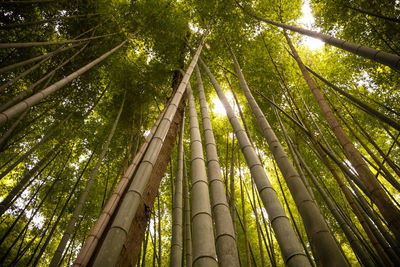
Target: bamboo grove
<point>199,133</point>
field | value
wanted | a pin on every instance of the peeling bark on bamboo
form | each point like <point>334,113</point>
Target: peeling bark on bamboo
<point>291,248</point>
<point>129,253</point>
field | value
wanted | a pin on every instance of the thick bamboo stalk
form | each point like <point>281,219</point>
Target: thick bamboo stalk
<point>117,234</point>
<point>36,98</point>
<point>187,218</point>
<point>364,106</point>
<point>31,88</point>
<point>324,246</point>
<point>390,60</point>
<point>225,231</point>
<point>30,44</point>
<point>177,208</point>
<point>92,240</point>
<point>204,252</point>
<point>34,59</point>
<point>291,248</point>
<point>71,224</point>
<point>358,248</point>
<point>378,195</point>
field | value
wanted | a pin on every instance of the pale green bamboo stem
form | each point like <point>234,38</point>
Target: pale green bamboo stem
<point>225,233</point>
<point>291,248</point>
<point>118,232</point>
<point>177,224</point>
<point>324,246</point>
<point>204,253</point>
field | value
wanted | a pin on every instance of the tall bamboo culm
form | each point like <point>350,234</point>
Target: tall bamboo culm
<point>204,253</point>
<point>378,195</point>
<point>393,61</point>
<point>187,244</point>
<point>115,238</point>
<point>225,234</point>
<point>177,208</point>
<point>36,98</point>
<point>92,240</point>
<point>326,250</point>
<point>292,251</point>
<point>356,245</point>
<point>71,224</point>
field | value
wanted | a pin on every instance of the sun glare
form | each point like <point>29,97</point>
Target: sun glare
<point>217,106</point>
<point>307,20</point>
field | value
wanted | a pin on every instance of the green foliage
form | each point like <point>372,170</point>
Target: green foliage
<point>144,70</point>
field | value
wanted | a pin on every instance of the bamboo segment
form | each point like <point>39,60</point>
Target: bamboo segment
<point>225,233</point>
<point>364,106</point>
<point>354,242</point>
<point>291,248</point>
<point>92,240</point>
<point>188,232</point>
<point>389,211</point>
<point>324,246</point>
<point>393,61</point>
<point>71,224</point>
<point>36,98</point>
<point>204,253</point>
<point>115,238</point>
<point>30,44</point>
<point>177,225</point>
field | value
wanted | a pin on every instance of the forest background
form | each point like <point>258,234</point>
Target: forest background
<point>56,144</point>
